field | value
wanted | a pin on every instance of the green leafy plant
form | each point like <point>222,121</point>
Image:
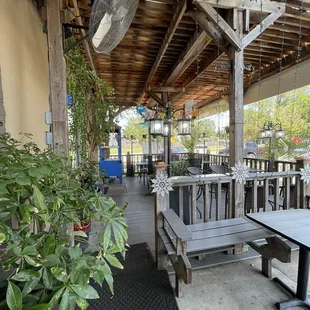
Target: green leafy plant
<point>40,199</point>
<point>93,110</point>
<point>179,168</point>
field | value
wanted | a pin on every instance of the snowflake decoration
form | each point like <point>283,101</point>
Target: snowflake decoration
<point>240,172</point>
<point>305,173</point>
<point>161,185</point>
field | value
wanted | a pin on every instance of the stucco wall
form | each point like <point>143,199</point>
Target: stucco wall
<point>24,69</point>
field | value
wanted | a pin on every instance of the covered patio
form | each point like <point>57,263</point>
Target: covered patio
<point>229,232</point>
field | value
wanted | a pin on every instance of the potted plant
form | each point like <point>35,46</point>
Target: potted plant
<point>42,199</point>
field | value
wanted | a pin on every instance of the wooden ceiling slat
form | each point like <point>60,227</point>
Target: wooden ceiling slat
<point>129,65</point>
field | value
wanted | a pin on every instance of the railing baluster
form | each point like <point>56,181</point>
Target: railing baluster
<point>287,185</point>
<point>218,200</point>
<point>229,202</point>
<point>181,204</point>
<point>205,203</point>
<point>276,194</point>
<point>254,195</point>
<point>194,203</point>
<point>297,193</point>
<point>266,194</point>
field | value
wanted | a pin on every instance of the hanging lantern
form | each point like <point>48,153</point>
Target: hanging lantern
<point>166,129</point>
<point>280,133</point>
<point>184,125</point>
<point>262,134</point>
<point>156,126</point>
<point>268,133</point>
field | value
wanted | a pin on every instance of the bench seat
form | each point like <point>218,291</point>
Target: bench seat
<point>181,241</point>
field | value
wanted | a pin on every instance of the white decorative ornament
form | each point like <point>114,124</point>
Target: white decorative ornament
<point>305,173</point>
<point>240,172</point>
<point>161,185</point>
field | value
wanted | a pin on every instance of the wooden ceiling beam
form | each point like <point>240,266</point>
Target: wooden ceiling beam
<point>195,46</point>
<point>209,28</point>
<point>266,6</point>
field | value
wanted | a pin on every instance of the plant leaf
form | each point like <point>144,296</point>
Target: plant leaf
<point>75,252</point>
<point>65,301</point>
<point>107,237</point>
<point>86,291</point>
<point>31,284</point>
<point>82,303</point>
<point>60,274</point>
<point>49,246</point>
<point>47,278</point>
<point>39,202</point>
<point>110,281</point>
<point>26,275</point>
<point>80,233</point>
<point>30,250</point>
<point>14,297</point>
<point>32,262</point>
<point>56,296</point>
<point>113,261</point>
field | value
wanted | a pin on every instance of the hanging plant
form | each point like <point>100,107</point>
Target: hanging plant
<point>92,110</point>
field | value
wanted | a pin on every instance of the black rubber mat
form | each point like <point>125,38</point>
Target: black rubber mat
<point>140,286</point>
<point>138,260</point>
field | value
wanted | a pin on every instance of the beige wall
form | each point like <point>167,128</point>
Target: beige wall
<point>24,69</point>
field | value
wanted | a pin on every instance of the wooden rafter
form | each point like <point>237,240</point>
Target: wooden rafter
<point>222,25</point>
<point>266,6</point>
<point>196,45</point>
<point>209,28</point>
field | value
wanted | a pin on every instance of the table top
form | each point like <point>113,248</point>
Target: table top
<point>293,225</point>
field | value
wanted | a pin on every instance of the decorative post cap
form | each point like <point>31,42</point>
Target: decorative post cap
<point>161,166</point>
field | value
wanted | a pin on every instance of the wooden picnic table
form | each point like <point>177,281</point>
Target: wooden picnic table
<point>293,225</point>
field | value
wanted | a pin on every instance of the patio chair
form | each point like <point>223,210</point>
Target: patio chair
<point>248,201</point>
<point>282,198</point>
<point>219,169</point>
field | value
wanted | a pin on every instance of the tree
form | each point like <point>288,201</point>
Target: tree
<point>135,128</point>
<point>198,129</point>
<point>206,126</point>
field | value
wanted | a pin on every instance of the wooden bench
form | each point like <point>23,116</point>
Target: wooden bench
<point>181,241</point>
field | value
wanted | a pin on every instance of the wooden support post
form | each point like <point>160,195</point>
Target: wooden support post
<point>161,204</point>
<point>236,112</point>
<point>57,77</point>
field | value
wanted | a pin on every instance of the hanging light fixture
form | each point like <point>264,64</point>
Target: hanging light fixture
<point>184,125</point>
<point>156,126</point>
<point>268,131</point>
<point>280,133</point>
<point>166,128</point>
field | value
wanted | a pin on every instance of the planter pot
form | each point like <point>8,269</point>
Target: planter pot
<point>174,203</point>
<point>85,227</point>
